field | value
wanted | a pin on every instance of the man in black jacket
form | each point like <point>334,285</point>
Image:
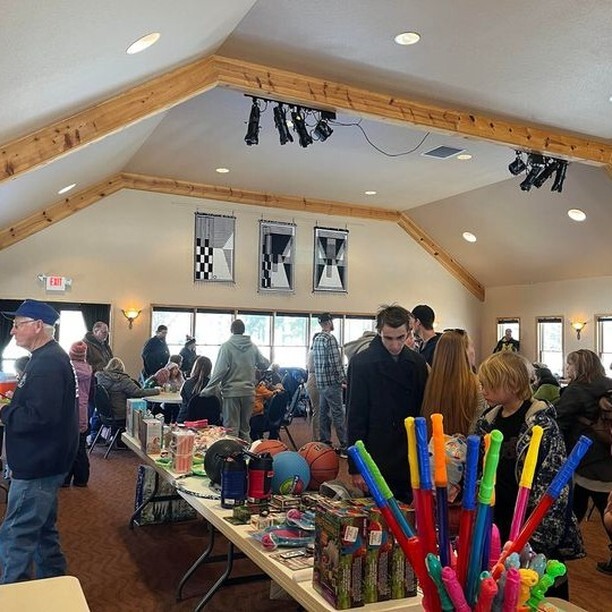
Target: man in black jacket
<point>386,383</point>
<point>155,353</point>
<point>42,434</point>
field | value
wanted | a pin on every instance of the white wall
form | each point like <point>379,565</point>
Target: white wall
<point>135,249</point>
<point>580,299</point>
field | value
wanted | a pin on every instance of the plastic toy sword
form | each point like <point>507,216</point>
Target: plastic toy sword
<point>441,481</point>
<point>398,525</point>
<point>525,482</point>
<point>425,526</point>
<point>484,500</point>
<point>468,507</point>
<point>547,500</point>
<point>413,463</point>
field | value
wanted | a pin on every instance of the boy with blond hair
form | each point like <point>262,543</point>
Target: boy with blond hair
<point>505,379</point>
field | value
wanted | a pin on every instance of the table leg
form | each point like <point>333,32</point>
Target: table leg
<point>215,587</point>
<point>201,559</point>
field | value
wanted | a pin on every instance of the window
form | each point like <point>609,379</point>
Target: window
<point>513,324</point>
<point>550,343</point>
<point>291,341</point>
<point>71,327</point>
<point>283,338</point>
<point>179,324</point>
<point>604,339</point>
<point>212,329</point>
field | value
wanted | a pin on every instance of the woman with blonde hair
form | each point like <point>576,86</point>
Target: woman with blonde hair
<point>452,387</point>
<point>120,386</point>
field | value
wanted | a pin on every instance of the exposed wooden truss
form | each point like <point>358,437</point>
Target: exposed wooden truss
<point>68,206</point>
<point>59,210</point>
<point>170,89</point>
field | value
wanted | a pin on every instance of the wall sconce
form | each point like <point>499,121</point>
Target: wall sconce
<point>131,314</point>
<point>578,326</point>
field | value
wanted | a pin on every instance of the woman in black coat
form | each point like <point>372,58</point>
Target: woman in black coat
<point>577,411</point>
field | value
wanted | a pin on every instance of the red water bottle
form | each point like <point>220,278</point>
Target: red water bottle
<point>260,477</point>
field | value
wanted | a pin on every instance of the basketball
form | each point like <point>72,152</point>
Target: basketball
<point>323,462</point>
<point>291,473</point>
<point>216,453</point>
<point>268,446</point>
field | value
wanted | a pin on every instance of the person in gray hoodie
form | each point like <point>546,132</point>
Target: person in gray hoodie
<point>234,374</point>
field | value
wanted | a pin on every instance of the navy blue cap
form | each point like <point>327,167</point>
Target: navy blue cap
<point>33,309</point>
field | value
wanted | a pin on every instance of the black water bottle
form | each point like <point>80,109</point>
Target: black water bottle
<point>260,477</point>
<point>233,481</point>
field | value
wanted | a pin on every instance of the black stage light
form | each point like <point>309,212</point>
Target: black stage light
<point>560,176</point>
<point>550,167</point>
<point>322,130</point>
<point>280,121</point>
<point>304,138</point>
<point>518,165</point>
<point>252,135</point>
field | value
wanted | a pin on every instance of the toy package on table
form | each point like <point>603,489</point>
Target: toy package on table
<point>340,550</point>
<point>151,436</point>
<point>181,451</point>
<point>132,424</point>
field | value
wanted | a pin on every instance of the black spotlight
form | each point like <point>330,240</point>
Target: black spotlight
<point>322,130</point>
<point>280,121</point>
<point>536,165</point>
<point>304,138</point>
<point>518,165</point>
<point>551,166</point>
<point>560,176</point>
<point>252,135</point>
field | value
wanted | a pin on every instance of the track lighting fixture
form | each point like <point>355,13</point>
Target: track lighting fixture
<point>559,176</point>
<point>322,130</point>
<point>302,120</point>
<point>518,165</point>
<point>299,127</point>
<point>538,169</point>
<point>280,121</point>
<point>252,135</point>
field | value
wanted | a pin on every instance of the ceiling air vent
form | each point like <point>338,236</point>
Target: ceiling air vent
<point>442,152</point>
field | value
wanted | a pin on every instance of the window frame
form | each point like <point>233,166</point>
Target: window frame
<point>558,319</point>
<point>600,320</point>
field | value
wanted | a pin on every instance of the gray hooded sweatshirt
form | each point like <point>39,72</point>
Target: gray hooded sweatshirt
<point>235,368</point>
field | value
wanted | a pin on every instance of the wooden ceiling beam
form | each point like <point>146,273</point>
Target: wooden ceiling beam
<point>446,260</point>
<point>59,210</point>
<point>288,86</point>
<point>255,198</point>
<point>107,117</point>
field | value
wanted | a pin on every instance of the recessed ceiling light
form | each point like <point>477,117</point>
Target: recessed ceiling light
<point>407,38</point>
<point>469,237</point>
<point>576,214</point>
<point>464,156</point>
<point>222,170</point>
<point>143,43</point>
<point>66,189</point>
<point>370,192</point>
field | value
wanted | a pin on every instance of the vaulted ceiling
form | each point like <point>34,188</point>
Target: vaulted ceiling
<point>485,78</point>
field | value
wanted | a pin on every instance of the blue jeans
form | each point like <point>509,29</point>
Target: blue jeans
<point>330,409</point>
<point>28,534</point>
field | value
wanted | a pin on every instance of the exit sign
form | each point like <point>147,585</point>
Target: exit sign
<point>55,283</point>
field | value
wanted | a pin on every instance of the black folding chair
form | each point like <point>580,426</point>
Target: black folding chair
<point>105,411</point>
<point>201,407</point>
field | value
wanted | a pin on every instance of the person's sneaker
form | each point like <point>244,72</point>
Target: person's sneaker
<point>342,453</point>
<point>605,567</point>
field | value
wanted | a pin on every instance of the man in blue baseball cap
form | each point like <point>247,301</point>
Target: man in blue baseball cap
<point>42,433</point>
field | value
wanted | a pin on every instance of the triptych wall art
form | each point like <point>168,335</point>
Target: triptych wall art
<point>214,245</point>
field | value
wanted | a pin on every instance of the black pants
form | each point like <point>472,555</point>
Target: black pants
<point>581,502</point>
<point>79,474</point>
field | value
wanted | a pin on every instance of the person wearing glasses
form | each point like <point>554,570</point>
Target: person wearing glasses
<point>42,436</point>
